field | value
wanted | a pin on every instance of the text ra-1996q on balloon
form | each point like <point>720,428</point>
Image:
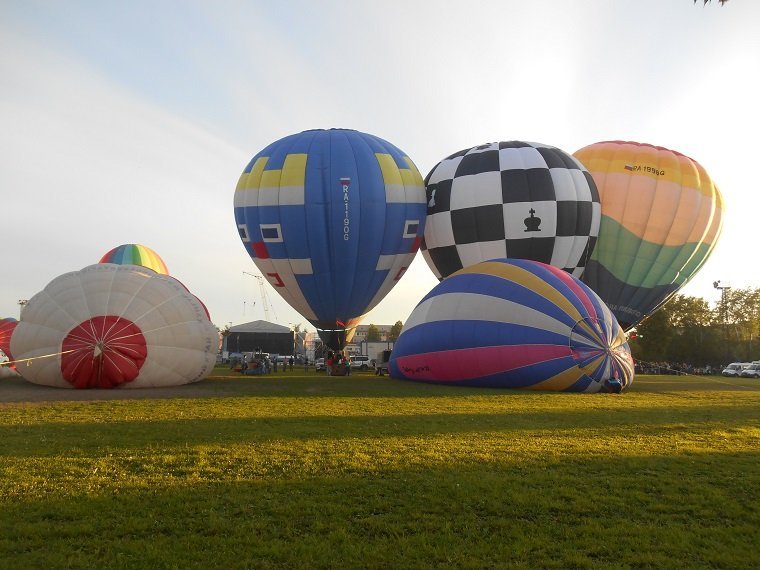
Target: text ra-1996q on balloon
<point>332,219</point>
<point>661,218</point>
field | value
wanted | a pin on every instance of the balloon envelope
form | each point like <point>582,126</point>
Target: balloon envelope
<point>7,327</point>
<point>661,218</point>
<point>332,219</point>
<point>136,254</point>
<point>513,323</point>
<point>510,199</point>
<point>115,325</point>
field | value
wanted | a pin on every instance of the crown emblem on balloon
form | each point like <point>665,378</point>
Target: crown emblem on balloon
<point>532,223</point>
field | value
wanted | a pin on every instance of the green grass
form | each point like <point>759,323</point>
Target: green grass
<point>365,472</point>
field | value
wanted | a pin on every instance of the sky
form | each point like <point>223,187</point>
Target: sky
<point>131,122</point>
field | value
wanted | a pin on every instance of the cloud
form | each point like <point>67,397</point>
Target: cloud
<point>132,123</point>
<point>90,166</point>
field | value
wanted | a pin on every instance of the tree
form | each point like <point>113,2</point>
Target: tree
<point>320,349</point>
<point>654,336</point>
<point>688,312</point>
<point>696,337</point>
<point>687,330</point>
<point>373,333</point>
<point>681,331</point>
<point>740,318</point>
<point>395,331</point>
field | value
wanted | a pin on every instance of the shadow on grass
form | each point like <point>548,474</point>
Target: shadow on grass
<point>55,437</point>
<point>685,512</point>
<point>298,384</point>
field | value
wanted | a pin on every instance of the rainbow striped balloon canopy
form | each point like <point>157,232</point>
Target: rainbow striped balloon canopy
<point>513,323</point>
<point>136,254</point>
<point>661,218</point>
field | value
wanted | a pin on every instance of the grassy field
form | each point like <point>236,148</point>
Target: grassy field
<point>305,471</point>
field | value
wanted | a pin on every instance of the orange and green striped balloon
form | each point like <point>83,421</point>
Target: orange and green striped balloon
<point>136,254</point>
<point>661,217</point>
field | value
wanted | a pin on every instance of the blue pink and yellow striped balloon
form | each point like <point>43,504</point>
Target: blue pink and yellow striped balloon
<point>514,323</point>
<point>136,254</point>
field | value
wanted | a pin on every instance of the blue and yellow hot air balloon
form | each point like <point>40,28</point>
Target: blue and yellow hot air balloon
<point>513,323</point>
<point>332,219</point>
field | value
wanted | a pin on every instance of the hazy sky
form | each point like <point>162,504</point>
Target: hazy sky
<point>131,121</point>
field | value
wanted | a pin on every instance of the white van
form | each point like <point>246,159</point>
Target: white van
<point>735,368</point>
<point>752,371</point>
<point>360,362</point>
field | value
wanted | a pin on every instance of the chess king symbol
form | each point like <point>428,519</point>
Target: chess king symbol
<point>431,202</point>
<point>532,223</point>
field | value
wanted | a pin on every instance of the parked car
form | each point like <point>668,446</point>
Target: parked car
<point>360,362</point>
<point>735,368</point>
<point>319,364</point>
<point>752,371</point>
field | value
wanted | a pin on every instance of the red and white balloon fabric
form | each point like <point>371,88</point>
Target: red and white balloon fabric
<point>7,327</point>
<point>110,326</point>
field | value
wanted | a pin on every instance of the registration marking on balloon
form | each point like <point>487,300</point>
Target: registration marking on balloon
<point>345,184</point>
<point>648,169</point>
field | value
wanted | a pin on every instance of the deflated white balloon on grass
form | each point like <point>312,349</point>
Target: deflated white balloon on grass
<point>112,326</point>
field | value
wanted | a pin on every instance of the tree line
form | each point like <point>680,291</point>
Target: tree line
<point>689,330</point>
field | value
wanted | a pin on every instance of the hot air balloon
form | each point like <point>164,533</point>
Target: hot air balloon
<point>513,323</point>
<point>136,254</point>
<point>7,327</point>
<point>514,199</point>
<point>110,326</point>
<point>661,218</point>
<point>6,330</point>
<point>332,219</point>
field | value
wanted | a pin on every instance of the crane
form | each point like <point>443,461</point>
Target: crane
<point>264,295</point>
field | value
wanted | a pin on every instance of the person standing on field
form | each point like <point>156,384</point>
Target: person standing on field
<point>347,364</point>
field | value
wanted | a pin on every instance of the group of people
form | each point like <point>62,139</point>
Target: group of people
<point>338,364</point>
<point>678,368</point>
<point>263,365</point>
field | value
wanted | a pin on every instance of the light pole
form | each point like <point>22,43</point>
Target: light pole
<point>723,298</point>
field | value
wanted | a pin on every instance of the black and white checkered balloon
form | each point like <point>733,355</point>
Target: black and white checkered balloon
<point>511,199</point>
